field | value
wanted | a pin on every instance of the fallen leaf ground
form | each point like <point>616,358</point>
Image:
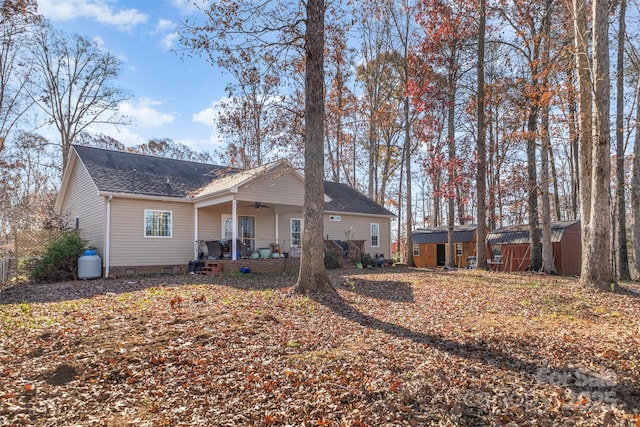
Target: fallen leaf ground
<point>398,347</point>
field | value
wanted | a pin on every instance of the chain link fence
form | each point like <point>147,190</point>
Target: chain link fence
<point>21,250</point>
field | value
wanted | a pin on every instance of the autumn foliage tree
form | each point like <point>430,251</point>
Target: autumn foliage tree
<point>251,119</point>
<point>448,28</point>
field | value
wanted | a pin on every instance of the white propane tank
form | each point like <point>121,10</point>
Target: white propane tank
<point>89,265</point>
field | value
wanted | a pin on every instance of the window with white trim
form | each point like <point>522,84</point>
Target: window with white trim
<point>375,235</point>
<point>157,223</point>
<point>227,227</point>
<point>296,231</point>
<point>416,249</point>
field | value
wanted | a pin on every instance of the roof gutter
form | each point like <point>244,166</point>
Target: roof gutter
<point>144,197</point>
<point>326,211</point>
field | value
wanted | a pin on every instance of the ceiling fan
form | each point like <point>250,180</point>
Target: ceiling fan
<point>259,205</point>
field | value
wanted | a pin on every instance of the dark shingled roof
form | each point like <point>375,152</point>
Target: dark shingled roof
<point>347,199</point>
<point>461,234</point>
<point>130,173</point>
<point>519,234</point>
<point>123,172</point>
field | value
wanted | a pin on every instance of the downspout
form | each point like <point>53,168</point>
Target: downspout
<point>391,243</point>
<point>107,242</point>
<point>196,247</point>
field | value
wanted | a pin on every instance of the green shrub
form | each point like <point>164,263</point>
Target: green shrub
<point>60,260</point>
<point>331,261</point>
<point>367,261</point>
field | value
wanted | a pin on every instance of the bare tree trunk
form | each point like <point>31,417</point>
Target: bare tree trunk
<point>623,257</point>
<point>548,264</point>
<point>635,185</point>
<point>584,126</point>
<point>481,173</point>
<point>407,154</point>
<point>574,137</point>
<point>312,276</point>
<point>400,197</point>
<point>535,249</point>
<point>451,144</point>
<point>437,217</point>
<point>599,273</point>
<point>554,178</point>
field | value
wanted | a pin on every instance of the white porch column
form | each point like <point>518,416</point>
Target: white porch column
<point>234,233</point>
<point>195,234</point>
<point>277,232</point>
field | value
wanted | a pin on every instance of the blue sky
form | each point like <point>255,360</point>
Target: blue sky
<point>173,97</point>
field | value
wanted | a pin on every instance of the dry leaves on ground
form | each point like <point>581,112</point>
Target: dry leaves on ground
<point>396,347</point>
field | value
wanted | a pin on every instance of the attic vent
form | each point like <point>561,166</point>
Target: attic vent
<point>335,218</point>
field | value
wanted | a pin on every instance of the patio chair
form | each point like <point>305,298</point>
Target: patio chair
<point>214,249</point>
<point>242,249</point>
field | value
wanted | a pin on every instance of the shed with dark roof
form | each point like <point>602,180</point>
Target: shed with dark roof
<point>511,245</point>
<point>430,245</point>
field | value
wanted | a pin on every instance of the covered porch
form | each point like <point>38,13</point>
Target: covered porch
<point>251,214</point>
<point>241,229</point>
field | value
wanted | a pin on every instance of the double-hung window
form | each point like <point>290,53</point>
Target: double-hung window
<point>375,235</point>
<point>296,231</point>
<point>157,223</point>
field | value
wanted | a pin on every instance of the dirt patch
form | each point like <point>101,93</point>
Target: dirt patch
<point>62,375</point>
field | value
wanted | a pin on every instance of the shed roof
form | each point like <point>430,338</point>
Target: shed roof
<point>519,234</point>
<point>461,234</point>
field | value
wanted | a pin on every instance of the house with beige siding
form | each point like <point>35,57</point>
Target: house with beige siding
<point>147,214</point>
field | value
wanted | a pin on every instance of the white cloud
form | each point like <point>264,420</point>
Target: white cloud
<point>145,114</point>
<point>167,30</point>
<point>169,40</point>
<point>186,7</point>
<point>207,116</point>
<point>164,25</point>
<point>98,10</point>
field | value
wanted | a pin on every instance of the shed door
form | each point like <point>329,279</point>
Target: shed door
<point>440,256</point>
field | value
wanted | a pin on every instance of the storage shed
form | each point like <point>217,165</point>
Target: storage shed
<point>511,244</point>
<point>430,245</point>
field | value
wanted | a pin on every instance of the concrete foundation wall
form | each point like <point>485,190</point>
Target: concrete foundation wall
<point>256,265</point>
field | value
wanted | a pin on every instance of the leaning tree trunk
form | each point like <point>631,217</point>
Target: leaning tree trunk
<point>313,276</point>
